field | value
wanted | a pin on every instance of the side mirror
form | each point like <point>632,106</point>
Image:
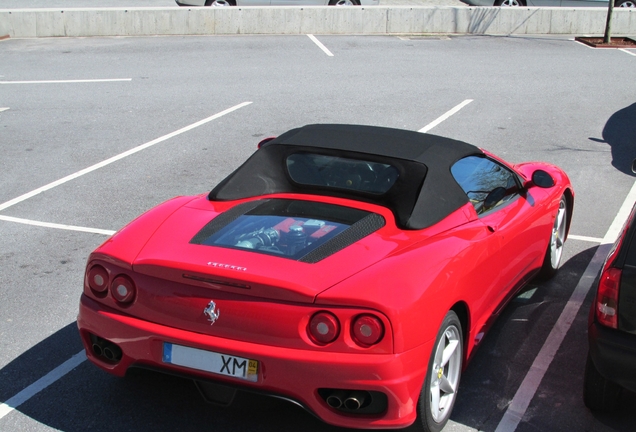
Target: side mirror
<point>542,179</point>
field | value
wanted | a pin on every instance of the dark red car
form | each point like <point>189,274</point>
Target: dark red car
<point>611,361</point>
<point>350,269</point>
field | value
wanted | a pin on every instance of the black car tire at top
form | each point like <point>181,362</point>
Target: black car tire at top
<point>442,376</point>
<point>625,3</point>
<point>344,3</point>
<point>510,3</point>
<point>599,394</point>
<point>553,255</point>
<point>220,3</point>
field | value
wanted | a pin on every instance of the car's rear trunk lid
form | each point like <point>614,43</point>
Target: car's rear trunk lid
<point>221,251</point>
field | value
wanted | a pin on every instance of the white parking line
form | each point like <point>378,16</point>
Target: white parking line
<point>9,405</point>
<point>67,81</point>
<point>320,45</point>
<point>585,45</point>
<point>445,116</point>
<point>48,379</point>
<point>525,393</point>
<point>585,238</point>
<point>3,109</point>
<point>57,226</point>
<point>591,47</point>
<point>118,157</point>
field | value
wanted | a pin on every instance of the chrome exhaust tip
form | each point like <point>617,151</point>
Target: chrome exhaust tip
<point>109,354</point>
<point>97,349</point>
<point>336,399</point>
<point>355,400</point>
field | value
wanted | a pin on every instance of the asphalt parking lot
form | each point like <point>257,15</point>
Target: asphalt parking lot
<point>193,108</point>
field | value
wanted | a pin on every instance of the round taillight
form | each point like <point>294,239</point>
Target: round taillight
<point>123,289</point>
<point>324,328</point>
<point>98,279</point>
<point>367,330</point>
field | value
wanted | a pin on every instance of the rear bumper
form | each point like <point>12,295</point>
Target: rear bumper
<point>614,355</point>
<point>291,373</point>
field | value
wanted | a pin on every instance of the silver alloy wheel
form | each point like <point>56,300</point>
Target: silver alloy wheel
<point>558,235</point>
<point>345,3</point>
<point>628,4</point>
<point>221,3</point>
<point>445,373</point>
<point>511,3</point>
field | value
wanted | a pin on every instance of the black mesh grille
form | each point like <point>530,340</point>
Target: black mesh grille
<point>355,232</point>
<point>223,219</point>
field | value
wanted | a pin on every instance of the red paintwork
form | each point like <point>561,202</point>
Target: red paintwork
<point>407,279</point>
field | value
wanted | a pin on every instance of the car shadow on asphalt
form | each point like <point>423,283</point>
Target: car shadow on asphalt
<point>499,366</point>
<point>620,134</point>
<point>39,360</point>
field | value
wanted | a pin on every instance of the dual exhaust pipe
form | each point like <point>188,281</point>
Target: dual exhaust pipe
<point>105,349</point>
<point>349,400</point>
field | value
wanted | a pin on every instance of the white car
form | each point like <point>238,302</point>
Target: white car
<point>277,2</point>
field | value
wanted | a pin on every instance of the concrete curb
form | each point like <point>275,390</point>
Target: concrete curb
<point>29,23</point>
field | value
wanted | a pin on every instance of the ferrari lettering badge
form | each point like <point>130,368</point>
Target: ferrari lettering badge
<point>226,266</point>
<point>212,312</point>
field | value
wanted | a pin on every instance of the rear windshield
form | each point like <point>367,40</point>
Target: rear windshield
<point>341,173</point>
<point>285,228</point>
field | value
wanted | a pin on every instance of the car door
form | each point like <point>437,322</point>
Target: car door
<point>551,3</point>
<point>507,211</point>
<point>299,2</point>
<point>253,2</point>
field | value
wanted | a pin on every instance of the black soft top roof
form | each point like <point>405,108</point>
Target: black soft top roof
<point>424,193</point>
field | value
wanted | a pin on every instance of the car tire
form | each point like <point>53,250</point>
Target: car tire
<point>552,258</point>
<point>625,3</point>
<point>510,3</point>
<point>444,370</point>
<point>220,3</point>
<point>344,3</point>
<point>599,394</point>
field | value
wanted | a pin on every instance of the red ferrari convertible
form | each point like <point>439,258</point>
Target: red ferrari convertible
<point>350,269</point>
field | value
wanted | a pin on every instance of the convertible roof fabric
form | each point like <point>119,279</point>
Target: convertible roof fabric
<point>424,193</point>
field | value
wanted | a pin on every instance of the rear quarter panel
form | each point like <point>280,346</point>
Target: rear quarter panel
<point>125,244</point>
<point>416,287</point>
